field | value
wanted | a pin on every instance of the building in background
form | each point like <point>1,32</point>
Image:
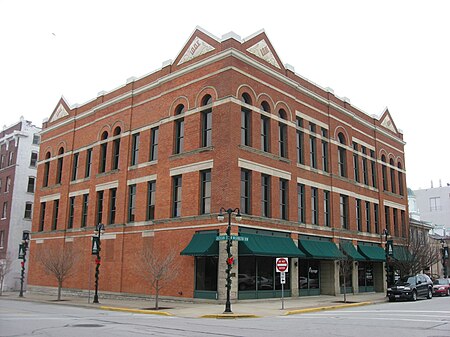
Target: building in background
<point>19,152</point>
<point>224,125</point>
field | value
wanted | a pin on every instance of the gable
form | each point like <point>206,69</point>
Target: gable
<point>62,110</point>
<point>387,122</point>
<point>262,50</point>
<point>197,48</point>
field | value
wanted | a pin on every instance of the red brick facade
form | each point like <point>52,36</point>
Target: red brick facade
<point>226,70</point>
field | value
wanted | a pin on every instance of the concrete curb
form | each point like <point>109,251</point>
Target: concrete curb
<point>137,311</point>
<point>331,307</point>
<point>230,316</point>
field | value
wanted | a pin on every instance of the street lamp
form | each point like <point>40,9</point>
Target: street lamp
<point>230,259</point>
<point>22,255</point>
<point>99,229</point>
<point>444,251</point>
<point>388,249</point>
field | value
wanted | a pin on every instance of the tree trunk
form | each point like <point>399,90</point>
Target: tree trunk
<point>59,290</point>
<point>157,295</point>
<point>345,290</point>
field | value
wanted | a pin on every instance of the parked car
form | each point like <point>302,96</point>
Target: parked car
<point>410,287</point>
<point>441,287</point>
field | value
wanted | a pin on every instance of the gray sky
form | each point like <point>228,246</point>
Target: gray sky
<point>378,54</point>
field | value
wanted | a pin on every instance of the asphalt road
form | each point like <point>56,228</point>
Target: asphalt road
<point>424,318</point>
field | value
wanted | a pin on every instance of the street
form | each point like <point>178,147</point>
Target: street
<point>422,318</point>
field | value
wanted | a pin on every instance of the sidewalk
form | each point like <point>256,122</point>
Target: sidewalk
<point>241,309</point>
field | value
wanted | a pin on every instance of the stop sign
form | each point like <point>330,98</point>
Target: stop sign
<point>282,264</point>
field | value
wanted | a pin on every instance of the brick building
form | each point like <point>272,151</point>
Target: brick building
<point>225,124</point>
<point>19,149</point>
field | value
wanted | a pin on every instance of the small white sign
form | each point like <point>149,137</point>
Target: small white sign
<point>283,277</point>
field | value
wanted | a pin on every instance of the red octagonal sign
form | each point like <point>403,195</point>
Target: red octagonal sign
<point>282,264</point>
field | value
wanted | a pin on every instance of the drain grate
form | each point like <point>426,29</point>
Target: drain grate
<point>86,325</point>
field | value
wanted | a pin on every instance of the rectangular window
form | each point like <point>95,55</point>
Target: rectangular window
<point>151,198</point>
<point>387,218</point>
<point>36,139</point>
<point>245,127</point>
<point>368,229</point>
<point>8,184</point>
<point>33,159</point>
<point>55,214</point>
<point>135,149</point>
<point>301,202</point>
<point>265,133</point>
<point>205,201</point>
<point>435,204</point>
<point>42,216</point>
<point>31,183</point>
<point>376,217</point>
<point>400,182</point>
<point>396,229</point>
<point>2,239</point>
<point>10,158</point>
<point>314,206</point>
<point>75,166</point>
<point>112,205</point>
<point>99,217</point>
<point>326,208</point>
<point>59,170</point>
<point>179,135</point>
<point>312,152</point>
<point>131,202</point>
<point>154,135</point>
<point>282,141</point>
<point>103,150</point>
<point>176,196</point>
<point>403,219</point>
<point>71,212</point>
<point>28,210</point>
<point>265,195</point>
<point>116,153</point>
<point>284,199</point>
<point>324,151</point>
<point>207,128</point>
<point>343,210</point>
<point>300,147</point>
<point>358,215</point>
<point>84,210</point>
<point>373,168</point>
<point>4,209</point>
<point>245,191</point>
<point>355,162</point>
<point>87,172</point>
<point>393,184</point>
<point>342,167</point>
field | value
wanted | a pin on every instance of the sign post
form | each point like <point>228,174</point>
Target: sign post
<point>282,266</point>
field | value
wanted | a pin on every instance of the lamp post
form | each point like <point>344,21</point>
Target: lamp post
<point>388,251</point>
<point>22,255</point>
<point>99,229</point>
<point>444,251</point>
<point>230,259</point>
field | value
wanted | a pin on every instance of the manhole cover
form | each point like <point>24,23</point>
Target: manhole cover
<point>87,325</point>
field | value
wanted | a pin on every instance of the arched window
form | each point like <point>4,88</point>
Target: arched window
<point>384,173</point>
<point>179,130</point>
<point>206,135</point>
<point>282,134</point>
<point>46,169</point>
<point>103,151</point>
<point>342,156</point>
<point>392,168</point>
<point>246,124</point>
<point>59,167</point>
<point>116,148</point>
<point>265,128</point>
<point>401,189</point>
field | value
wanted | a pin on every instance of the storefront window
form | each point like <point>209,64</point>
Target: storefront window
<point>345,275</point>
<point>309,275</point>
<point>206,273</point>
<point>365,276</point>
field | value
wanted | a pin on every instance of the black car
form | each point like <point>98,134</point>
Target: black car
<point>411,287</point>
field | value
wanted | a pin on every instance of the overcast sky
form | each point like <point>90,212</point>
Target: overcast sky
<point>393,54</point>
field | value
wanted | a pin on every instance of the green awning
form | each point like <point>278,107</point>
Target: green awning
<point>320,249</point>
<point>401,253</point>
<point>373,253</point>
<point>202,244</point>
<point>351,251</point>
<point>265,245</point>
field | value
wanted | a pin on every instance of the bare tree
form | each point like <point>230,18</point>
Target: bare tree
<point>5,268</point>
<point>59,262</point>
<point>345,271</point>
<point>157,269</point>
<point>419,255</point>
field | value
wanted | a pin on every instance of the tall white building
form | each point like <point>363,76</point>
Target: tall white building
<point>19,153</point>
<point>434,206</point>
